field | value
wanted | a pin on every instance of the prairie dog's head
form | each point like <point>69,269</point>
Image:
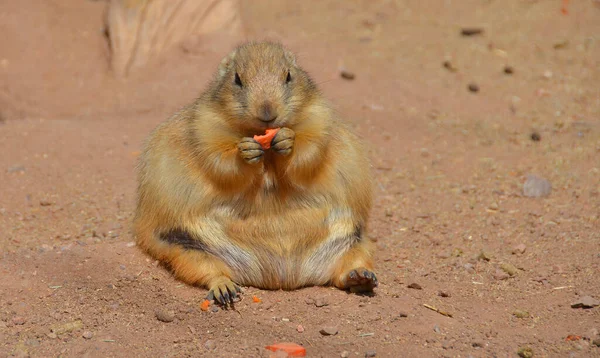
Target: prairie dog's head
<point>259,86</point>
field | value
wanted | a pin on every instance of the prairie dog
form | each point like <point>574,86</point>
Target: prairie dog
<point>221,212</point>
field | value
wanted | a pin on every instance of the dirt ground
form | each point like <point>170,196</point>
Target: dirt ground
<point>450,212</point>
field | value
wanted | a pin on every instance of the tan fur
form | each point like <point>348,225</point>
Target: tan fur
<point>284,222</point>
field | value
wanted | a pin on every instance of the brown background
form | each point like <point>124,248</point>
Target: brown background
<point>450,166</point>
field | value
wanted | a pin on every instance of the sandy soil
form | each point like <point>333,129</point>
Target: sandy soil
<point>450,213</point>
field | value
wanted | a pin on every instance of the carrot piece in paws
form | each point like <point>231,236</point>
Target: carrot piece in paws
<point>266,139</point>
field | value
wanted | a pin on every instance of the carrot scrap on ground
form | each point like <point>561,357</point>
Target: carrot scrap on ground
<point>292,349</point>
<point>565,9</point>
<point>256,299</point>
<point>265,140</point>
<point>572,337</point>
<point>204,305</point>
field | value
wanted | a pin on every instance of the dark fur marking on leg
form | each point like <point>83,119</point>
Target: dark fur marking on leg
<point>238,259</point>
<point>184,239</point>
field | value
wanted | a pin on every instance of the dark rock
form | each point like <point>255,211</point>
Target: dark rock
<point>329,331</point>
<point>415,286</point>
<point>473,87</point>
<point>471,31</point>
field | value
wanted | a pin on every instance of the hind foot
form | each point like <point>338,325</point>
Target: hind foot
<point>360,280</point>
<point>223,291</point>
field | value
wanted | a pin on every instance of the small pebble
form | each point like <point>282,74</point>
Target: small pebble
<point>456,252</point>
<point>52,335</point>
<point>501,275</point>
<point>300,328</point>
<point>508,70</point>
<point>473,87</point>
<point>19,320</point>
<point>345,354</point>
<point>415,286</point>
<point>347,75</point>
<point>536,187</point>
<point>448,65</point>
<point>68,327</point>
<point>536,137</point>
<point>477,345</point>
<point>520,313</point>
<point>471,31</point>
<point>510,269</point>
<point>596,342</point>
<point>371,353</point>
<point>321,302</point>
<point>443,294</point>
<point>519,249</point>
<point>164,315</point>
<point>329,331</point>
<point>403,314</point>
<point>484,256</point>
<point>87,335</point>
<point>525,352</point>
<point>214,308</point>
<point>469,267</point>
<point>437,329</point>
<point>210,345</point>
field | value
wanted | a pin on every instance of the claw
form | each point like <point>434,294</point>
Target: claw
<point>226,297</point>
<point>352,275</point>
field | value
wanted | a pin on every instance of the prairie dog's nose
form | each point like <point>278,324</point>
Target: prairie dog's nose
<point>267,113</point>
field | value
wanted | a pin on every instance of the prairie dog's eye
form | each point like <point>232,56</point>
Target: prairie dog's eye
<point>238,81</point>
<point>288,79</point>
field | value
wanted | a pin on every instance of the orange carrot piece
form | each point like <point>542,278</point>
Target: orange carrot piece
<point>265,140</point>
<point>292,349</point>
<point>565,7</point>
<point>204,305</point>
<point>256,299</point>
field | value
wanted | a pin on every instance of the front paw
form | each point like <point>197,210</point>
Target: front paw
<point>250,150</point>
<point>224,292</point>
<point>284,141</point>
<point>360,280</point>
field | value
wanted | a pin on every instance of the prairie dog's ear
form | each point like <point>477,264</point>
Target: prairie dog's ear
<point>226,62</point>
<point>290,57</point>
